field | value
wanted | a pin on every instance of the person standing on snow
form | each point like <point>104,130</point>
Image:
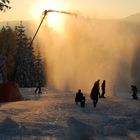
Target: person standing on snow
<point>95,93</point>
<point>103,89</point>
<point>38,89</point>
<point>134,90</point>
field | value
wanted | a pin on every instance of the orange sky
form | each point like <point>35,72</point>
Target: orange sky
<point>96,8</point>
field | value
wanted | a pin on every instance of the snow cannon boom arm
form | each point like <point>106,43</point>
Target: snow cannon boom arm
<point>44,15</point>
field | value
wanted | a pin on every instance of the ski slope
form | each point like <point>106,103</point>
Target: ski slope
<point>55,116</point>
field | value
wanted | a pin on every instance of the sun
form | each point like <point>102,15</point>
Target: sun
<point>54,20</point>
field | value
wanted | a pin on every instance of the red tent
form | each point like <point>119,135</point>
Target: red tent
<point>9,92</point>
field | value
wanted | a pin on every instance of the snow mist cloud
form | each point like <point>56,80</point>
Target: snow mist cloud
<point>88,51</point>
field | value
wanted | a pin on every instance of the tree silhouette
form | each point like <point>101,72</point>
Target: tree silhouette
<point>7,51</point>
<point>25,70</point>
<point>4,5</point>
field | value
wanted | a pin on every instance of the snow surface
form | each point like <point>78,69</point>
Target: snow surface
<point>55,116</point>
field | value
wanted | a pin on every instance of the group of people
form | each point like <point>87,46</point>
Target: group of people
<point>95,94</point>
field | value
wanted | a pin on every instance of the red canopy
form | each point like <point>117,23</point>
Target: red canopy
<point>9,92</point>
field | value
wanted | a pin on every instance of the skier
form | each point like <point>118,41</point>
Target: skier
<point>134,90</point>
<point>38,89</point>
<point>95,93</point>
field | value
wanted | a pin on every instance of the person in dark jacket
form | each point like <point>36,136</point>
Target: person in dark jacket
<point>98,86</point>
<point>38,89</point>
<point>103,89</point>
<point>134,90</point>
<point>79,96</point>
<point>95,93</point>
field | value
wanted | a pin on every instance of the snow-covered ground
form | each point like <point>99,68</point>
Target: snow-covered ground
<point>55,116</point>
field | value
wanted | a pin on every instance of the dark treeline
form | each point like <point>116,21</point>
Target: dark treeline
<point>18,60</point>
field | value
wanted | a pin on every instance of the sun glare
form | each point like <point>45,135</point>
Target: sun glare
<point>54,20</point>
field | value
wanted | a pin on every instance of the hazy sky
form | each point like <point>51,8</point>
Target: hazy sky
<point>22,10</point>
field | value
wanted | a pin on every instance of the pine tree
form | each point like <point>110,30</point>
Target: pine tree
<point>10,50</point>
<point>25,70</point>
<point>3,73</point>
<point>7,51</point>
